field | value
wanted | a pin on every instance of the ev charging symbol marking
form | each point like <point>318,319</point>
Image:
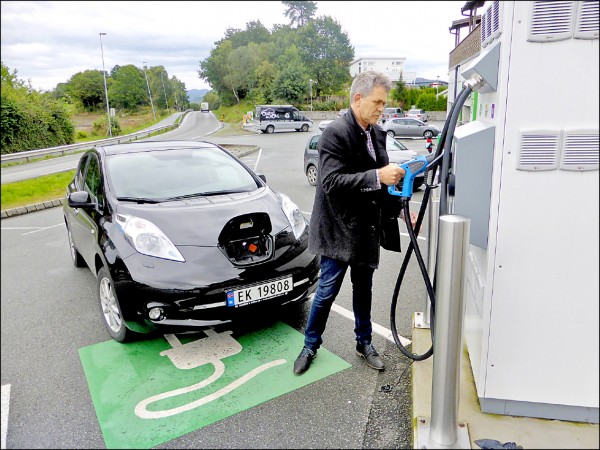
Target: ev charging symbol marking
<point>195,354</point>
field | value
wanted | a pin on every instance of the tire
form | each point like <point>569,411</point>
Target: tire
<point>270,129</point>
<point>428,134</point>
<point>311,175</point>
<point>391,133</point>
<point>304,127</point>
<point>76,257</point>
<point>110,308</point>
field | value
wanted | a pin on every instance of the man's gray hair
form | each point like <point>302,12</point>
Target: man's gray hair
<point>365,82</point>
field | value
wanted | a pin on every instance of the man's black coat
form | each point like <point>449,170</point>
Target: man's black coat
<point>349,210</point>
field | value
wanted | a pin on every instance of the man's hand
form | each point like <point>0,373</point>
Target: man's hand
<point>390,174</point>
<point>413,218</point>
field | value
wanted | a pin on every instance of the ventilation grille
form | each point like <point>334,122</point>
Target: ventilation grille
<point>538,150</point>
<point>587,20</point>
<point>580,150</point>
<point>551,21</point>
<point>491,23</point>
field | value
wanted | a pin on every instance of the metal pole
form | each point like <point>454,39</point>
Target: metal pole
<point>164,90</point>
<point>448,342</point>
<point>105,89</point>
<point>311,82</point>
<point>432,241</point>
<point>149,93</point>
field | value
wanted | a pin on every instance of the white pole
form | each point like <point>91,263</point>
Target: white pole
<point>149,93</point>
<point>105,89</point>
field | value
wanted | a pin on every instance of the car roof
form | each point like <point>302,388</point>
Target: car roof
<point>138,147</point>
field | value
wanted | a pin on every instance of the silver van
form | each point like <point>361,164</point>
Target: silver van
<point>269,118</point>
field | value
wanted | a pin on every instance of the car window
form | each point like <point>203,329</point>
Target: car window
<point>93,184</point>
<point>171,173</point>
<point>79,180</point>
<point>314,142</point>
<point>392,145</point>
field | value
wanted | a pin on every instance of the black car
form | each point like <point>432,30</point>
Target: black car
<point>183,235</point>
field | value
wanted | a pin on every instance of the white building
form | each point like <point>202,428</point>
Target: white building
<point>392,67</point>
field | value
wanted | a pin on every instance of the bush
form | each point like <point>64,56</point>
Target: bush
<point>100,127</point>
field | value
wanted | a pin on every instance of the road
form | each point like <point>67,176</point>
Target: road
<point>50,316</point>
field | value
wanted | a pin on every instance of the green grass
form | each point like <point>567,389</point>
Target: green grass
<point>34,190</point>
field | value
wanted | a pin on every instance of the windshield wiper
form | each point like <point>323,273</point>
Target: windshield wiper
<point>140,199</point>
<point>207,194</point>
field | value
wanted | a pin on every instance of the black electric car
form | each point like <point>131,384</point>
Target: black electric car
<point>182,235</point>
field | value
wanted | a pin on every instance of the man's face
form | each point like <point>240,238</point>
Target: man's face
<point>370,107</point>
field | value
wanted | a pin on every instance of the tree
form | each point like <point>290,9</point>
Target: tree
<point>327,52</point>
<point>291,84</point>
<point>300,12</point>
<point>128,88</point>
<point>88,88</point>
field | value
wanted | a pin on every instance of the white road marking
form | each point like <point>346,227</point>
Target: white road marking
<point>379,329</point>
<point>43,229</point>
<point>5,400</point>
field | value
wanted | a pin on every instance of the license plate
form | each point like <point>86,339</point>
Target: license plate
<point>259,292</point>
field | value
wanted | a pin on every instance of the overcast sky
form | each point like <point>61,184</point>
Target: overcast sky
<point>49,42</point>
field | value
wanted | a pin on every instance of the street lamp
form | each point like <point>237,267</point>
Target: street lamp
<point>149,93</point>
<point>311,83</point>
<point>105,89</point>
<point>437,87</point>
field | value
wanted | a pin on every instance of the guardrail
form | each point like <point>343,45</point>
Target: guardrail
<point>62,150</point>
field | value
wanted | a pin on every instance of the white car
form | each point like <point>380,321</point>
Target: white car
<point>419,114</point>
<point>324,123</point>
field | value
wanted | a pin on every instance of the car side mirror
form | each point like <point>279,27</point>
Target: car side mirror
<point>262,176</point>
<point>80,199</point>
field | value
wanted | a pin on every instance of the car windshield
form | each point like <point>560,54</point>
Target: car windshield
<point>176,173</point>
<point>392,144</point>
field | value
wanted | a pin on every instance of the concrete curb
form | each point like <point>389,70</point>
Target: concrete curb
<point>30,208</point>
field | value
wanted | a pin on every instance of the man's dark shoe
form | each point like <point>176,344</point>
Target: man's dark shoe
<point>303,360</point>
<point>371,356</point>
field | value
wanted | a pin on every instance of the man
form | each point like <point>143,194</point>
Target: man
<point>351,203</point>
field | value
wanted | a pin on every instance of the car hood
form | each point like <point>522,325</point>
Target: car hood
<point>199,221</point>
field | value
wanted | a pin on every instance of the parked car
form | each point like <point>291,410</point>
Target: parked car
<point>324,123</point>
<point>397,152</point>
<point>419,114</point>
<point>406,127</point>
<point>391,113</point>
<point>181,235</point>
<point>342,112</point>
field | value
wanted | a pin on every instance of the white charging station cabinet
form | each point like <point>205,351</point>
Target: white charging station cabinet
<point>526,174</point>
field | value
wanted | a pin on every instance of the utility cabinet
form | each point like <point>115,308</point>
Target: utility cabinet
<point>526,173</point>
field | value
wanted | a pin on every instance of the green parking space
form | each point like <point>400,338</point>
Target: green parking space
<point>150,392</point>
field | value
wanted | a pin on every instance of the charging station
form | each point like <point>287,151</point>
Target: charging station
<point>525,172</point>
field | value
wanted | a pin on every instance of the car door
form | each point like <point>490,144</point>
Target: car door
<point>411,127</point>
<point>85,226</point>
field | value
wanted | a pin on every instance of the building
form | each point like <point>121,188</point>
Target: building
<point>392,67</point>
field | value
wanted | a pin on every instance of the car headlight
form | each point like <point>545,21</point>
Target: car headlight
<point>147,238</point>
<point>293,214</point>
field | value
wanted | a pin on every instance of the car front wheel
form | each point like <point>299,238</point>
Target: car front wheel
<point>311,175</point>
<point>391,134</point>
<point>111,309</point>
<point>305,127</point>
<point>428,134</point>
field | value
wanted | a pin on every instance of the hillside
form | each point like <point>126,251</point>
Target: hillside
<point>196,95</point>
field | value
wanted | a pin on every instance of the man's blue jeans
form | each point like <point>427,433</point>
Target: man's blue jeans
<point>330,282</point>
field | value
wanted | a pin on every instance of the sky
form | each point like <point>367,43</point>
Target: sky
<point>48,42</point>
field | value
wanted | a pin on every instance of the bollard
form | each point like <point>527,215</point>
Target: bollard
<point>444,430</point>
